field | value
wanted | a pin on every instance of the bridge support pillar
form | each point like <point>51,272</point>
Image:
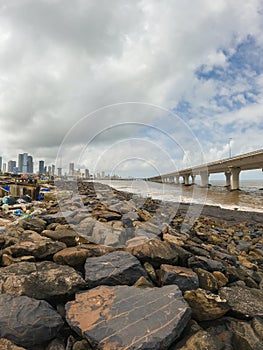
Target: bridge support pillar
<point>204,179</point>
<point>186,179</point>
<point>177,178</point>
<point>235,178</point>
<point>228,178</point>
<point>193,179</point>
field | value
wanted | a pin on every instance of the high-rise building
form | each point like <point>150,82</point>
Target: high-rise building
<point>4,168</point>
<point>30,165</point>
<point>49,170</point>
<point>59,172</point>
<point>41,167</point>
<point>24,163</point>
<point>11,166</point>
<point>20,162</point>
<point>87,174</point>
<point>71,169</point>
<point>1,163</point>
<point>53,170</point>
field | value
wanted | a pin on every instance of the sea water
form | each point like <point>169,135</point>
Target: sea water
<point>249,198</point>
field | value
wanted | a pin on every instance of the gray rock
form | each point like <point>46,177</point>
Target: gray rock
<point>66,236</point>
<point>129,218</point>
<point>32,244</point>
<point>116,268</point>
<point>184,278</point>
<point>41,280</point>
<point>108,235</point>
<point>75,256</point>
<point>39,250</point>
<point>245,337</point>
<point>34,224</point>
<point>206,264</point>
<point>244,301</point>
<point>26,321</point>
<point>125,317</point>
<point>123,207</point>
<point>154,251</point>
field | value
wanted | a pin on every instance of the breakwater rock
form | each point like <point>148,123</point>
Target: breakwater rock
<point>108,270</point>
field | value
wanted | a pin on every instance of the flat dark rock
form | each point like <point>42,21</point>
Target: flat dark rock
<point>244,301</point>
<point>40,280</point>
<point>131,318</point>
<point>155,251</point>
<point>27,321</point>
<point>112,269</point>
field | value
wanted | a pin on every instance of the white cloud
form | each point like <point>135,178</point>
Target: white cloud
<point>60,60</point>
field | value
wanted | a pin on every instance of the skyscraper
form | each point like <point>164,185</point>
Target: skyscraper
<point>41,167</point>
<point>53,170</point>
<point>87,174</point>
<point>24,163</point>
<point>59,172</point>
<point>4,168</point>
<point>1,163</point>
<point>71,169</point>
<point>30,165</point>
<point>20,162</point>
<point>11,165</point>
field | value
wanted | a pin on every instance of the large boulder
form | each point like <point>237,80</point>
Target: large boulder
<point>243,301</point>
<point>247,335</point>
<point>69,237</point>
<point>205,305</point>
<point>107,235</point>
<point>125,317</point>
<point>34,224</point>
<point>32,244</point>
<point>27,321</point>
<point>112,269</point>
<point>206,264</point>
<point>41,280</point>
<point>75,256</point>
<point>184,278</point>
<point>154,251</point>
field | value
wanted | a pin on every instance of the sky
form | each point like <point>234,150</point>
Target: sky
<point>136,88</point>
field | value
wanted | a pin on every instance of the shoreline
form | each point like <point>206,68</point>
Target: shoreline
<point>188,200</point>
<point>212,211</point>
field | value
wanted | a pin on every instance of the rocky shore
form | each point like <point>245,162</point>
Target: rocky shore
<point>104,269</point>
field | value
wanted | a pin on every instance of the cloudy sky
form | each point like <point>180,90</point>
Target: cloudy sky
<point>132,87</point>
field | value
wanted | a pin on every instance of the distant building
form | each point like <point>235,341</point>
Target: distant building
<point>41,167</point>
<point>103,174</point>
<point>24,163</point>
<point>53,170</point>
<point>49,170</point>
<point>30,165</point>
<point>87,176</point>
<point>1,163</point>
<point>4,168</point>
<point>20,162</point>
<point>59,172</point>
<point>15,170</point>
<point>11,165</point>
<point>71,169</point>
